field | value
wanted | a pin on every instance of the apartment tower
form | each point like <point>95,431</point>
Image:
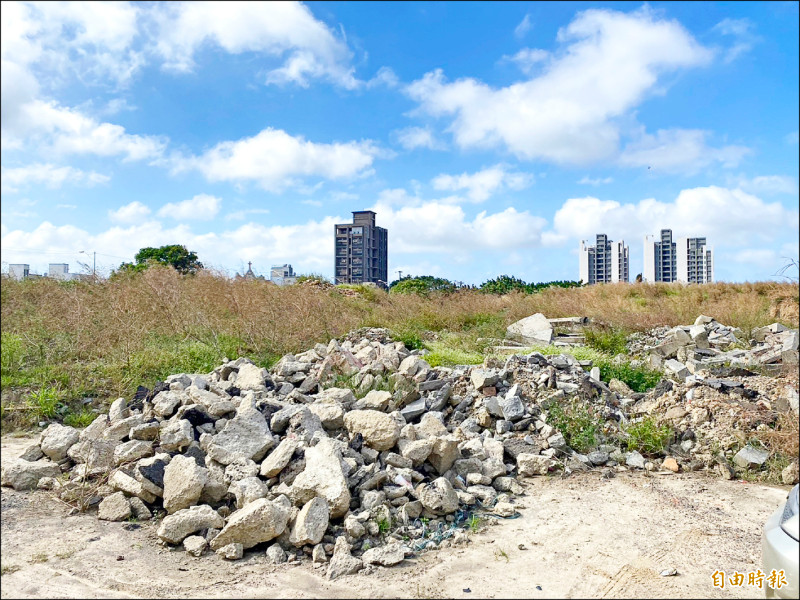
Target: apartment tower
<point>694,261</point>
<point>361,251</point>
<point>689,260</point>
<point>659,258</point>
<point>605,262</point>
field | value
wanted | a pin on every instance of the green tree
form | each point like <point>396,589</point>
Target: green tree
<point>506,284</point>
<point>423,285</point>
<point>176,256</point>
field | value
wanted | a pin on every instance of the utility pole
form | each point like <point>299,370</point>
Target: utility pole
<point>94,261</point>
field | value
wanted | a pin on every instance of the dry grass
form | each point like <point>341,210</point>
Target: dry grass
<point>103,338</point>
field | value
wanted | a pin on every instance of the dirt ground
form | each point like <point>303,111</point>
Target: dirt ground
<point>583,536</point>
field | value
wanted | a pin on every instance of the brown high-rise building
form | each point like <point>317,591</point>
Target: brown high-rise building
<point>361,251</point>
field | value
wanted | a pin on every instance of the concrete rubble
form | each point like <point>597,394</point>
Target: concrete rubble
<point>283,462</point>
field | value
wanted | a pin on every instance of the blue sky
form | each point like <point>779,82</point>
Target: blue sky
<point>489,138</point>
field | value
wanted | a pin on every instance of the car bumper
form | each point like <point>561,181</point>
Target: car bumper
<point>780,552</point>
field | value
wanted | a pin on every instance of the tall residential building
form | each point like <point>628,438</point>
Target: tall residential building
<point>695,261</point>
<point>659,258</point>
<point>688,260</point>
<point>605,262</point>
<point>361,251</point>
<point>282,275</point>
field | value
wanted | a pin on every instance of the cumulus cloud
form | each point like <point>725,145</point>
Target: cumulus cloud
<point>132,213</point>
<point>90,40</point>
<point>285,30</point>
<point>48,175</point>
<point>411,138</point>
<point>527,58</point>
<point>202,207</point>
<point>418,227</point>
<point>308,247</point>
<point>614,59</point>
<point>768,184</point>
<point>678,151</point>
<point>49,127</point>
<point>275,159</point>
<point>480,186</point>
<point>714,212</point>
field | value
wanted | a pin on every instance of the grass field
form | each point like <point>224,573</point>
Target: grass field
<point>66,341</point>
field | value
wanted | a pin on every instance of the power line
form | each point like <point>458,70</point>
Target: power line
<point>48,252</point>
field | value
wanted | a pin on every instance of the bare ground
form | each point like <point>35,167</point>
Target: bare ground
<point>583,536</point>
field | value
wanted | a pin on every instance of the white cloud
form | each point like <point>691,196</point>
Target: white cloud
<point>740,30</point>
<point>49,175</point>
<point>285,30</point>
<point>49,127</point>
<point>275,159</point>
<point>130,214</point>
<point>385,76</point>
<point>202,207</point>
<point>586,180</point>
<point>312,202</point>
<point>308,247</point>
<point>418,227</point>
<point>724,216</point>
<point>768,184</point>
<point>418,137</point>
<point>609,63</point>
<point>678,151</point>
<point>89,40</point>
<point>527,58</point>
<point>523,27</point>
<point>483,184</point>
<point>67,206</point>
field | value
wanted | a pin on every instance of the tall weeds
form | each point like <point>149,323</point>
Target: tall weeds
<point>103,338</point>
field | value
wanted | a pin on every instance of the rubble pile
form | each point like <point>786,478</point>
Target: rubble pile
<point>686,349</point>
<point>358,453</point>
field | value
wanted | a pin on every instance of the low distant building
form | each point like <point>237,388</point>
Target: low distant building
<point>605,262</point>
<point>249,275</point>
<point>19,271</point>
<point>61,272</point>
<point>282,275</point>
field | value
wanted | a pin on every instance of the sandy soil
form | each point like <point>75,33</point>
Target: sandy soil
<point>583,536</point>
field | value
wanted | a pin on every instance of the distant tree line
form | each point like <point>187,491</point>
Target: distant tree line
<point>186,262</point>
<point>504,284</point>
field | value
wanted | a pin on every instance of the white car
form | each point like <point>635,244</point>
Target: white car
<point>780,546</point>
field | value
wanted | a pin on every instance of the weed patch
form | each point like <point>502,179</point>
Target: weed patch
<point>647,437</point>
<point>581,428</point>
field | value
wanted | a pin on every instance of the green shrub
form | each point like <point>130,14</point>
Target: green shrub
<point>46,402</point>
<point>581,428</point>
<point>610,341</point>
<point>648,437</point>
<point>639,379</point>
<point>80,419</point>
<point>411,339</point>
